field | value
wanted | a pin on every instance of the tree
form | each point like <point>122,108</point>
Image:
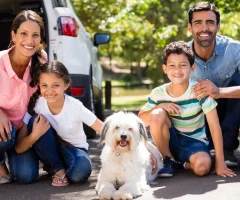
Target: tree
<point>140,29</point>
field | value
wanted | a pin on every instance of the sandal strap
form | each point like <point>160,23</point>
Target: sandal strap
<point>59,177</point>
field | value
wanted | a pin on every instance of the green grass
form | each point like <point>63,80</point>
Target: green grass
<point>128,102</point>
<point>128,97</point>
<point>121,83</point>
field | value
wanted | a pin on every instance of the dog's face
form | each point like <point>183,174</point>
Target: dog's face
<point>123,132</point>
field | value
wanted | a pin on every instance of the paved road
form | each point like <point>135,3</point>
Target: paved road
<point>183,186</point>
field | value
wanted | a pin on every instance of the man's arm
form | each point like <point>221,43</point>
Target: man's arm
<point>215,129</point>
<point>229,92</point>
<point>207,88</point>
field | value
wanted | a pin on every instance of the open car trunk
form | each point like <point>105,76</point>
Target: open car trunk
<point>9,9</point>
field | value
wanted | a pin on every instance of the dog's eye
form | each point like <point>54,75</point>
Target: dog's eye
<point>117,127</point>
<point>130,129</point>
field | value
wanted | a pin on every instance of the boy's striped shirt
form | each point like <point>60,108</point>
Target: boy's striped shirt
<point>191,121</point>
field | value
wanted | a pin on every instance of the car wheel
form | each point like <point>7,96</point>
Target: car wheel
<point>90,133</point>
<point>99,109</point>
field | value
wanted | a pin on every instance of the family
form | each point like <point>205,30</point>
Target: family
<point>194,119</point>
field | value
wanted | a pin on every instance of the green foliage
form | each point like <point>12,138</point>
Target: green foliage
<point>140,29</point>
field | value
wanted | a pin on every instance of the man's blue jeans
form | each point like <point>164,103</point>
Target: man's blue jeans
<point>59,156</point>
<point>229,117</point>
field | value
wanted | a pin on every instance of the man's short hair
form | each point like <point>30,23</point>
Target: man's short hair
<point>178,47</point>
<point>203,6</point>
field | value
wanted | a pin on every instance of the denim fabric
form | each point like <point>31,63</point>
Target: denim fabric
<point>46,148</point>
<point>24,166</point>
<point>78,163</point>
<point>222,65</point>
<point>223,69</point>
<point>229,118</point>
<point>57,155</point>
<point>4,146</point>
<point>182,147</point>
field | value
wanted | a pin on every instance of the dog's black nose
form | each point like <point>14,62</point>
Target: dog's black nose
<point>123,137</point>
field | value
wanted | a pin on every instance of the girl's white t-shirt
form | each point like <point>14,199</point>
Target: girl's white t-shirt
<point>69,122</point>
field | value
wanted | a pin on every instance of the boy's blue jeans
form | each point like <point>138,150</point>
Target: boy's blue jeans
<point>59,156</point>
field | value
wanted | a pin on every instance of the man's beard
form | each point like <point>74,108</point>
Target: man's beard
<point>206,43</point>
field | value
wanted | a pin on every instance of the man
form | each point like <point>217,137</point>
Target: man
<point>217,69</point>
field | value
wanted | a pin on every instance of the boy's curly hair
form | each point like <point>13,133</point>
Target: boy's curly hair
<point>178,47</point>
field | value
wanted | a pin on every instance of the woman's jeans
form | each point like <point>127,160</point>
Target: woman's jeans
<point>21,166</point>
<point>59,156</point>
<point>4,146</point>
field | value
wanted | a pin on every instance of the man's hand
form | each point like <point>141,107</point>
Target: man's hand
<point>206,88</point>
<point>5,127</point>
<point>224,171</point>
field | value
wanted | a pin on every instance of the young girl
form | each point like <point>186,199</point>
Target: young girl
<point>56,133</point>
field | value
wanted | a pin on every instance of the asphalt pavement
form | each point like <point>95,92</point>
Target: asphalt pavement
<point>182,186</point>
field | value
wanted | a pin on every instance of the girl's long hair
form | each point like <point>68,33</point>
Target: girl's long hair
<point>55,67</point>
<point>24,16</point>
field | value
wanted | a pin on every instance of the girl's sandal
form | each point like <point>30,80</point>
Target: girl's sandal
<point>59,181</point>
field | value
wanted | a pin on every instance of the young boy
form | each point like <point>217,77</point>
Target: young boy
<point>176,118</point>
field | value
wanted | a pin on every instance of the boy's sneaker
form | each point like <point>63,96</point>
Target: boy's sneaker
<point>230,159</point>
<point>167,170</point>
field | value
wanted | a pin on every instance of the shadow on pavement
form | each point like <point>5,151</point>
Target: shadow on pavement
<point>182,186</point>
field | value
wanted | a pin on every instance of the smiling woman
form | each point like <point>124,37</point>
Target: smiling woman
<point>18,66</point>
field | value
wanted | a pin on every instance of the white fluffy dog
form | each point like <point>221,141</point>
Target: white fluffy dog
<point>126,163</point>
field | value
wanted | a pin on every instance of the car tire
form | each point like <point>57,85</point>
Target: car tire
<point>90,133</point>
<point>99,109</point>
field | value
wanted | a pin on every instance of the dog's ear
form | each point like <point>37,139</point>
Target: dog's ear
<point>143,131</point>
<point>104,131</point>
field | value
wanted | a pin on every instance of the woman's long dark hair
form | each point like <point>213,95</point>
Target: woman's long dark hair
<point>55,67</point>
<point>19,19</point>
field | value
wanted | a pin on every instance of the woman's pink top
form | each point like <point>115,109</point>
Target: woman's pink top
<point>14,92</point>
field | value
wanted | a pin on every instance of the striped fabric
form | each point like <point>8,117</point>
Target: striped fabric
<point>191,121</point>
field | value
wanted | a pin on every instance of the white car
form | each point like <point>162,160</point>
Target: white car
<point>68,42</point>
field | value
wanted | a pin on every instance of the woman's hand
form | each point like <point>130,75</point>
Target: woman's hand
<point>40,126</point>
<point>5,127</point>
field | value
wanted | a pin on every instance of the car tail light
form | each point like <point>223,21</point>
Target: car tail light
<point>77,91</point>
<point>68,26</point>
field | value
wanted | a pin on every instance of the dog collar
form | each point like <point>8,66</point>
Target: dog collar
<point>117,153</point>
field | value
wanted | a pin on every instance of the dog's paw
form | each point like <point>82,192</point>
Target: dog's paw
<point>119,195</point>
<point>105,195</point>
<point>144,188</point>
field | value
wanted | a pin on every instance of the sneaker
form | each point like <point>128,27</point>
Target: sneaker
<point>167,170</point>
<point>178,164</point>
<point>230,159</point>
<point>5,179</point>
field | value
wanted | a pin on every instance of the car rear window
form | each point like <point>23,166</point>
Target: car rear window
<point>59,3</point>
